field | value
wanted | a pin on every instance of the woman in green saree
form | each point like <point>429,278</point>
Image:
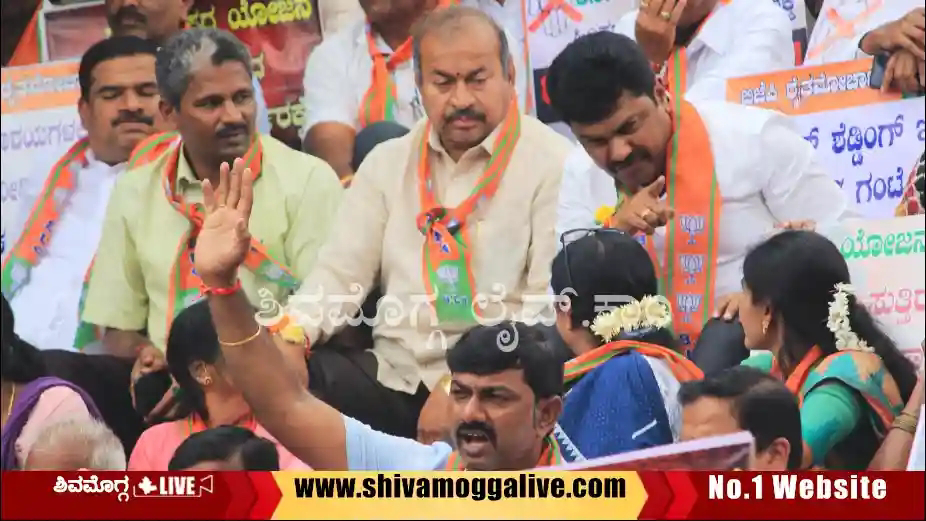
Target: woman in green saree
<point>848,375</point>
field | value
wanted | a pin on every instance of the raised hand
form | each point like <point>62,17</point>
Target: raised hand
<point>224,240</point>
<point>644,212</point>
<point>655,27</point>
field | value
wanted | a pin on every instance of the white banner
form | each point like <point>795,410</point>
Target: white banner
<point>886,260</point>
<point>39,123</point>
<point>868,141</point>
<point>869,150</point>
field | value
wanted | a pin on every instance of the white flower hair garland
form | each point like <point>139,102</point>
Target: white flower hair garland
<point>838,321</point>
<point>649,312</point>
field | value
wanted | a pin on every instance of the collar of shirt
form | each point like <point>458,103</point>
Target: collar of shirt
<point>186,178</point>
<point>95,165</point>
<point>717,32</point>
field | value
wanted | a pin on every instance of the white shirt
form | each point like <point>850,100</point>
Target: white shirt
<point>740,38</point>
<point>826,46</point>
<point>46,308</point>
<point>340,70</point>
<point>766,172</point>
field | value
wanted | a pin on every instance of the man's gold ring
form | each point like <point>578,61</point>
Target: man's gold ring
<point>666,15</point>
<point>645,213</point>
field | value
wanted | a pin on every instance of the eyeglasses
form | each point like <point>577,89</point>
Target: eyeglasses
<point>576,234</point>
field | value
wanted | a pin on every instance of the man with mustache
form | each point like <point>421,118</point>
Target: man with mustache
<point>158,20</point>
<point>361,79</point>
<point>143,276</point>
<point>696,46</point>
<point>44,276</point>
<point>698,181</point>
<point>459,210</point>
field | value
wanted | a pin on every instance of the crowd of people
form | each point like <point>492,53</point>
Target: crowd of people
<point>438,280</point>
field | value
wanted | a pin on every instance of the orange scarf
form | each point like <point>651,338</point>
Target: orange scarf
<point>683,369</point>
<point>32,244</point>
<point>380,99</point>
<point>447,255</point>
<point>689,264</point>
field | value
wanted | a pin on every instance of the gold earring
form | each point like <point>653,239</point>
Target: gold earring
<point>207,380</point>
<point>765,326</point>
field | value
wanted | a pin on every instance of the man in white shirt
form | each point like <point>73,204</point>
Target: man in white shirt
<point>764,173</point>
<point>714,40</point>
<point>45,273</point>
<point>158,20</point>
<point>725,39</point>
<point>363,74</point>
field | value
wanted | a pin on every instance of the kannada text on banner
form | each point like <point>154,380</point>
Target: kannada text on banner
<point>39,123</point>
<point>279,33</point>
<point>539,494</point>
<point>886,259</point>
<point>866,140</point>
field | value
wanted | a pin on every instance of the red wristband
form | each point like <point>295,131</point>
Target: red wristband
<point>222,292</point>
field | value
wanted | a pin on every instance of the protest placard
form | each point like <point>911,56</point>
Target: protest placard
<point>40,122</point>
<point>886,262</point>
<point>868,141</point>
<point>728,452</point>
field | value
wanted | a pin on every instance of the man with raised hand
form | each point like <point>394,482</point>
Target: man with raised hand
<point>143,276</point>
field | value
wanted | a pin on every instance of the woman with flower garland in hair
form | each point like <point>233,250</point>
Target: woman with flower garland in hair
<point>622,385</point>
<point>848,376</point>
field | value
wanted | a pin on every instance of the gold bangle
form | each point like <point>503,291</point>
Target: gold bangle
<point>905,422</point>
<point>245,341</point>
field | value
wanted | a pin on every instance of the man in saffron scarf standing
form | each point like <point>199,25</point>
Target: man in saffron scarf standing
<point>143,276</point>
<point>699,182</point>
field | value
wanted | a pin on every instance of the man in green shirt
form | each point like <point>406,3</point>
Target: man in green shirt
<point>143,274</point>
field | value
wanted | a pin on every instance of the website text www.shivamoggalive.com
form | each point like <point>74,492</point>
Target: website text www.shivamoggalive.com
<point>474,487</point>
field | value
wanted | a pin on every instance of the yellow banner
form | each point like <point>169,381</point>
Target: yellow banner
<point>460,495</point>
<point>805,90</point>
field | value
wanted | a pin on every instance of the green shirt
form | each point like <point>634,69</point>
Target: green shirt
<point>295,199</point>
